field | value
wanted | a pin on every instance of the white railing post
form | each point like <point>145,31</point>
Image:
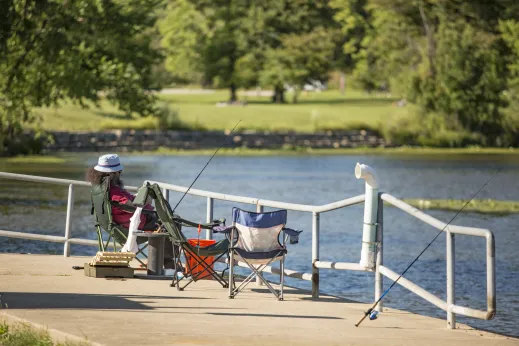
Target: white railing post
<point>165,193</point>
<point>379,283</point>
<point>315,254</point>
<point>209,232</point>
<point>491,276</point>
<point>70,206</point>
<point>451,259</point>
<point>259,209</point>
<point>369,229</point>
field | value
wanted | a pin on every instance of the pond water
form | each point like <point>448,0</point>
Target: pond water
<point>316,180</point>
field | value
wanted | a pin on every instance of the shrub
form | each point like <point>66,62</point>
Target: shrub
<point>168,119</point>
<point>429,129</point>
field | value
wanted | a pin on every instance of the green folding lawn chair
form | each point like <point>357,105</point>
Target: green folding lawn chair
<point>173,225</point>
<point>102,210</point>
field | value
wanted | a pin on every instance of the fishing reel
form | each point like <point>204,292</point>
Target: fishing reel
<point>373,315</point>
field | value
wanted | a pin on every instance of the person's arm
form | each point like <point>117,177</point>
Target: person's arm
<point>121,196</point>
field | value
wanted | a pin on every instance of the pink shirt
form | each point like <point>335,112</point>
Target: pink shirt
<point>122,217</point>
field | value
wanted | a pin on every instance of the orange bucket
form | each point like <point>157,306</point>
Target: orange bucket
<point>193,268</point>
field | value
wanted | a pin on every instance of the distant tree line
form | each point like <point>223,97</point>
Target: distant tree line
<point>456,62</point>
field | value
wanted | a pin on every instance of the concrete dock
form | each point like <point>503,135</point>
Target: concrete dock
<point>45,290</point>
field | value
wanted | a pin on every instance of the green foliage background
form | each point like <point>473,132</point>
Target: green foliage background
<point>454,63</point>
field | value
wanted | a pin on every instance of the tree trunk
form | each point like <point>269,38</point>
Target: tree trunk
<point>279,94</point>
<point>296,95</point>
<point>342,83</point>
<point>233,93</point>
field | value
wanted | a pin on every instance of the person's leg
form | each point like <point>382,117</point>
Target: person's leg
<point>152,222</point>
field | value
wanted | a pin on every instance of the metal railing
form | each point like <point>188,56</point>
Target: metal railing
<point>66,240</point>
<point>373,208</point>
<point>449,306</point>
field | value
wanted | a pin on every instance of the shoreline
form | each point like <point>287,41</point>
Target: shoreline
<point>62,156</point>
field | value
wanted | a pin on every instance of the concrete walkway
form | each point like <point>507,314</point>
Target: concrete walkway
<point>45,290</point>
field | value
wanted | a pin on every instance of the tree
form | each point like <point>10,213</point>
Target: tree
<point>229,43</point>
<point>57,49</point>
<point>301,59</point>
<point>203,40</point>
<point>510,34</point>
<point>447,57</point>
<point>467,88</point>
<point>354,19</point>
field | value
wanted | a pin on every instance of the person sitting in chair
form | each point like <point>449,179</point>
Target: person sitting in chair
<point>109,166</point>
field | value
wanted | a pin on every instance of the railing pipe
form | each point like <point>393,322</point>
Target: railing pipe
<point>88,242</point>
<point>259,209</point>
<point>415,212</point>
<point>340,266</point>
<point>39,179</point>
<point>209,218</point>
<point>165,193</point>
<point>70,207</point>
<point>450,242</point>
<point>30,236</point>
<point>315,254</point>
<point>431,298</point>
<point>202,193</point>
<point>340,204</point>
<point>491,277</point>
<point>269,269</point>
<point>284,205</point>
<point>379,278</point>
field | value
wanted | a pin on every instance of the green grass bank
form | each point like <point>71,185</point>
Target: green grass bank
<point>313,112</point>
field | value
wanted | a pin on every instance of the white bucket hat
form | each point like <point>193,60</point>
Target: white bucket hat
<point>109,163</point>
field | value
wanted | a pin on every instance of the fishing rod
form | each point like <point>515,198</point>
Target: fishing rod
<point>189,188</point>
<point>370,310</point>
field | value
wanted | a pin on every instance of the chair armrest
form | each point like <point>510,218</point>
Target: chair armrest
<point>293,234</point>
<point>223,229</point>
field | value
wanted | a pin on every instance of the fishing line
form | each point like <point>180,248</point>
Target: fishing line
<point>185,193</point>
<point>370,310</point>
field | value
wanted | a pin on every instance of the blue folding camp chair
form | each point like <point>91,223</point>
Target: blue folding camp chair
<point>257,243</point>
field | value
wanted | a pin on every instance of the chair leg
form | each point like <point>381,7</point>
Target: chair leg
<point>281,277</point>
<point>231,275</point>
<point>261,278</point>
<point>107,242</point>
<point>100,239</point>
<point>140,261</point>
<point>115,243</point>
<point>176,258</point>
<point>207,268</point>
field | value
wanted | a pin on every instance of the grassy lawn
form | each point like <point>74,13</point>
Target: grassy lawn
<point>315,111</point>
